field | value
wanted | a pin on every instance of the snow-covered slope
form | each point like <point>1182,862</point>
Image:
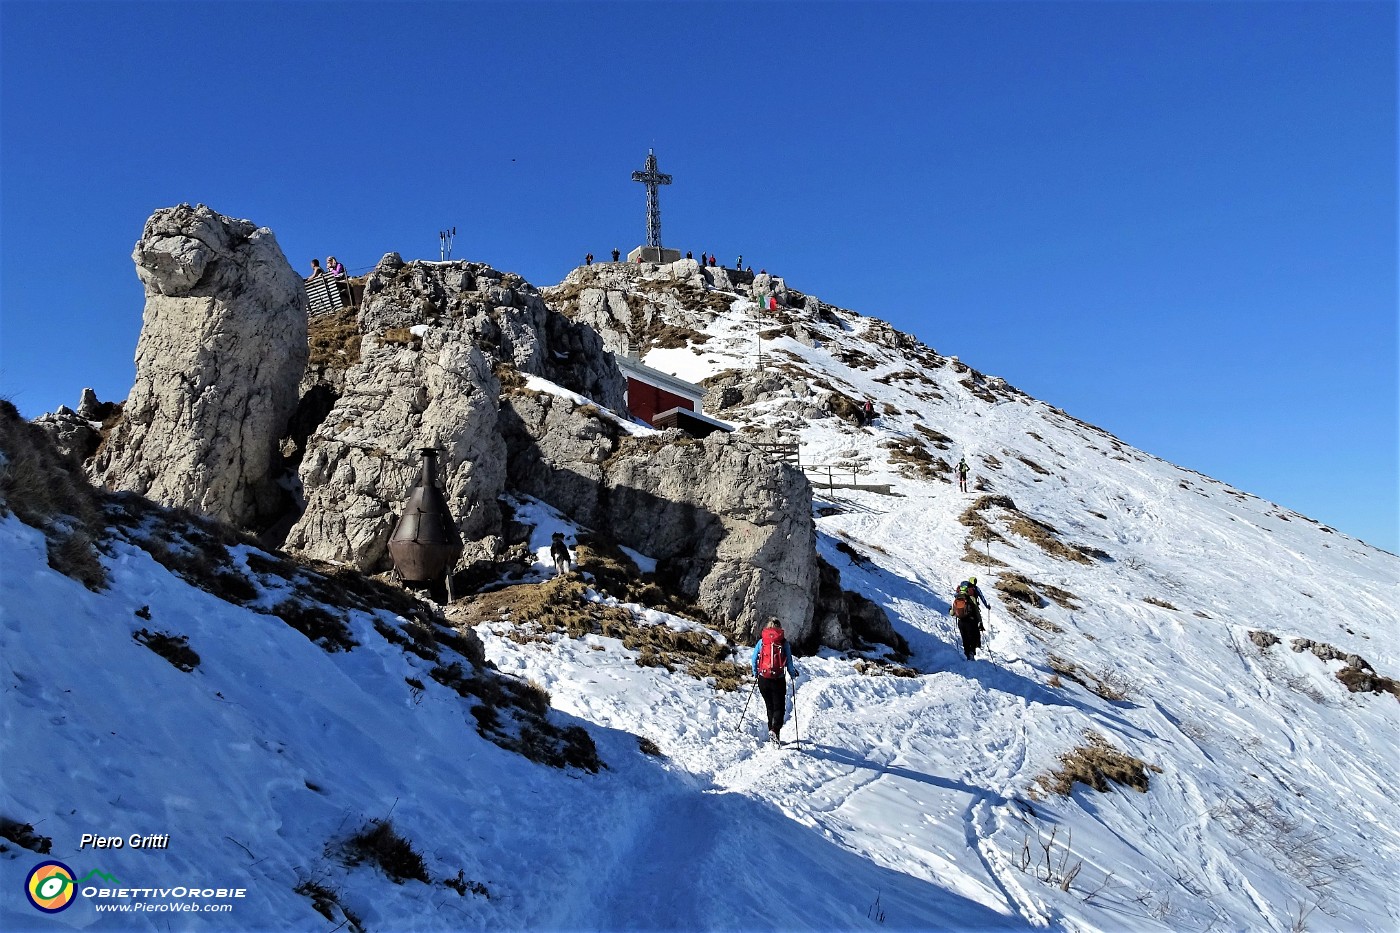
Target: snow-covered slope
<point>912,802</point>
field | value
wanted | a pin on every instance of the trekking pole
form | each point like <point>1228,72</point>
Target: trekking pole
<point>752,690</point>
<point>797,733</point>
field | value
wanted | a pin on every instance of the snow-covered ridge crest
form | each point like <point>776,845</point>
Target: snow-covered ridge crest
<point>1133,610</point>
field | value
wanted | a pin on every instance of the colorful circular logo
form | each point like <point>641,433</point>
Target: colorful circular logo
<point>50,887</point>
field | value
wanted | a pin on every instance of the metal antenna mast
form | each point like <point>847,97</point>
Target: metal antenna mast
<point>651,178</point>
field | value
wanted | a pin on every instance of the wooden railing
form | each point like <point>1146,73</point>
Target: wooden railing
<point>326,294</point>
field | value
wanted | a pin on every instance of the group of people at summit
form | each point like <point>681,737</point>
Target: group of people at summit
<point>333,269</point>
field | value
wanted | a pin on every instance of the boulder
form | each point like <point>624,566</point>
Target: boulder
<point>72,434</point>
<point>223,344</point>
<point>438,339</point>
<point>731,527</point>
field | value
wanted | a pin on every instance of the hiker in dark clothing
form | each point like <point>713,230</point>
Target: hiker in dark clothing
<point>969,616</point>
<point>772,661</point>
<point>962,473</point>
<point>868,409</point>
<point>616,254</point>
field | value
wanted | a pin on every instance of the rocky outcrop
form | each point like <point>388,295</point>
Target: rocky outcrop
<point>846,620</point>
<point>437,339</point>
<point>222,347</point>
<point>731,528</point>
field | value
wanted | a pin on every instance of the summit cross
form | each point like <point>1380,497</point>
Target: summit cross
<point>651,178</point>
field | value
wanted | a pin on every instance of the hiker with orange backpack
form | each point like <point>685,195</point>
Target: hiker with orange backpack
<point>969,616</point>
<point>772,661</point>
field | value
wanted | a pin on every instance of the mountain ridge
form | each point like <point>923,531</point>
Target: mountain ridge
<point>1126,596</point>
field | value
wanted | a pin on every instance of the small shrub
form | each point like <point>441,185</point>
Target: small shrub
<point>1096,764</point>
<point>461,885</point>
<point>1114,686</point>
<point>326,902</point>
<point>74,555</point>
<point>382,845</point>
<point>648,747</point>
<point>317,623</point>
<point>174,648</point>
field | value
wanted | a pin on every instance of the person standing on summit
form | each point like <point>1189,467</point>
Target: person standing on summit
<point>772,661</point>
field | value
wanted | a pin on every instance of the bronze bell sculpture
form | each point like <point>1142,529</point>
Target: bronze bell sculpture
<point>425,543</point>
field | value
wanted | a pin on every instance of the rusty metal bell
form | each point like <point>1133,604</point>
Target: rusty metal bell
<point>425,543</point>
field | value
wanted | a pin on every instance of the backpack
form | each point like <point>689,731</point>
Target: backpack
<point>770,653</point>
<point>962,602</point>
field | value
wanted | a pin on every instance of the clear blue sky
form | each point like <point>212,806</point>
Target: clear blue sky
<point>1174,220</point>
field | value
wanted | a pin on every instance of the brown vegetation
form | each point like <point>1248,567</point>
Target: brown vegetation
<point>1095,764</point>
<point>335,340</point>
<point>939,439</point>
<point>174,648</point>
<point>380,844</point>
<point>46,490</point>
<point>562,605</point>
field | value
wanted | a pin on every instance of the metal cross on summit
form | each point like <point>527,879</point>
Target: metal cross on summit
<point>651,178</point>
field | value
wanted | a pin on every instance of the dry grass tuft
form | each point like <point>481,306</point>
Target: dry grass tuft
<point>319,624</point>
<point>335,340</point>
<point>939,439</point>
<point>562,605</point>
<point>1032,529</point>
<point>1162,603</point>
<point>513,713</point>
<point>1096,764</point>
<point>174,648</point>
<point>916,462</point>
<point>461,885</point>
<point>46,490</point>
<point>511,379</point>
<point>399,337</point>
<point>1108,683</point>
<point>326,902</point>
<point>379,843</point>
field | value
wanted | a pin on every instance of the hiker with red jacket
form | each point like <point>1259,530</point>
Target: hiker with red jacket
<point>772,661</point>
<point>969,616</point>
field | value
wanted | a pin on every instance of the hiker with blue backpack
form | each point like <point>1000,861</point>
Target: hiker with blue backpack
<point>969,616</point>
<point>772,662</point>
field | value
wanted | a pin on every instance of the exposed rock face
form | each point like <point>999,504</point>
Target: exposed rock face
<point>845,620</point>
<point>732,527</point>
<point>435,337</point>
<point>222,347</point>
<point>77,434</point>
